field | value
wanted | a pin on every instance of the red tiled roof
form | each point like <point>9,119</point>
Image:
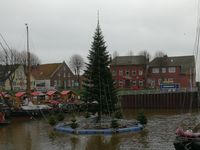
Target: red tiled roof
<point>19,94</point>
<point>37,93</point>
<point>2,94</point>
<point>65,92</point>
<point>44,71</point>
<point>50,93</point>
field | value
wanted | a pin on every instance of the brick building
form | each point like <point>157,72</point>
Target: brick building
<point>56,75</point>
<point>178,70</point>
<point>129,71</point>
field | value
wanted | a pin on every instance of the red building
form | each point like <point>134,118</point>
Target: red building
<point>129,71</point>
<point>179,71</point>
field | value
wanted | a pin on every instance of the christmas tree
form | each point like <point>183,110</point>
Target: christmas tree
<point>98,84</point>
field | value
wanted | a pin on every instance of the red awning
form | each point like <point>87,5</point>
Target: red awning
<point>37,93</point>
<point>65,92</point>
<point>2,94</point>
<point>50,93</point>
<point>54,102</point>
<point>19,94</point>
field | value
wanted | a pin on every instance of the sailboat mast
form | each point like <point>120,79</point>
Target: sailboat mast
<point>28,63</point>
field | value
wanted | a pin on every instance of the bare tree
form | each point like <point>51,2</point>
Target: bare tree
<point>76,63</point>
<point>147,56</point>
<point>130,53</point>
<point>115,54</point>
<point>34,61</point>
<point>9,59</point>
<point>160,54</point>
<point>162,61</point>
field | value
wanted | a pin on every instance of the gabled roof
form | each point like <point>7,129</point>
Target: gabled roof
<point>45,71</point>
<point>128,60</point>
<point>185,62</point>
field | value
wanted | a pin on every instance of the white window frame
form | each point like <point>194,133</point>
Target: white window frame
<point>127,73</point>
<point>114,73</point>
<point>172,69</point>
<point>120,72</point>
<point>134,82</point>
<point>159,81</point>
<point>170,80</point>
<point>164,70</point>
<point>140,72</point>
<point>141,83</point>
<point>155,70</point>
<point>121,82</point>
<point>134,72</point>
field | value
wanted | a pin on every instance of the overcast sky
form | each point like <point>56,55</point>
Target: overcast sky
<point>61,28</point>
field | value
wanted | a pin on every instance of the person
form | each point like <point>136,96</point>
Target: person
<point>1,117</point>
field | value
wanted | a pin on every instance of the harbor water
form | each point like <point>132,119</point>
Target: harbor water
<point>33,134</point>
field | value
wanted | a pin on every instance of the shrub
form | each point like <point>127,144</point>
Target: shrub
<point>114,124</point>
<point>60,117</point>
<point>118,114</point>
<point>87,115</point>
<point>73,124</point>
<point>142,118</point>
<point>52,120</point>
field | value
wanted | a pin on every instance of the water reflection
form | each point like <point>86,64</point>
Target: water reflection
<point>26,134</point>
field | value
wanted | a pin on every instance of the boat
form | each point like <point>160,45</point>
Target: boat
<point>187,140</point>
<point>31,110</point>
<point>3,121</point>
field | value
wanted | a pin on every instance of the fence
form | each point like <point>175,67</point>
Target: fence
<point>178,100</point>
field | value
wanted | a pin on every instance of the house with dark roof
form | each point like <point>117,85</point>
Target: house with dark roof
<point>179,71</point>
<point>129,71</point>
<point>55,75</point>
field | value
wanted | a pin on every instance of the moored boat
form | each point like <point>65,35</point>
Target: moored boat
<point>31,110</point>
<point>186,140</point>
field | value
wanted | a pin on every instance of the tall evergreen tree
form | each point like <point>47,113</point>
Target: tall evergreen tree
<point>98,83</point>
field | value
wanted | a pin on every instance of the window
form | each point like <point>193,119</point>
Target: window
<point>140,72</point>
<point>163,70</point>
<point>121,83</point>
<point>127,72</point>
<point>134,83</point>
<point>141,83</point>
<point>58,74</point>
<point>120,72</point>
<point>68,75</point>
<point>170,80</point>
<point>65,83</point>
<point>114,73</point>
<point>64,68</point>
<point>55,82</point>
<point>153,83</point>
<point>59,83</point>
<point>134,72</point>
<point>172,69</point>
<point>159,81</point>
<point>155,70</point>
<point>69,83</point>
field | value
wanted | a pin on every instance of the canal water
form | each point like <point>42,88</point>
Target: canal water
<point>31,134</point>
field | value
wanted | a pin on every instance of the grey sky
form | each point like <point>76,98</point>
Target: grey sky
<point>61,28</point>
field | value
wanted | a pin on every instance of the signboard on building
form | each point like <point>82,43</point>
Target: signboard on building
<point>169,87</point>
